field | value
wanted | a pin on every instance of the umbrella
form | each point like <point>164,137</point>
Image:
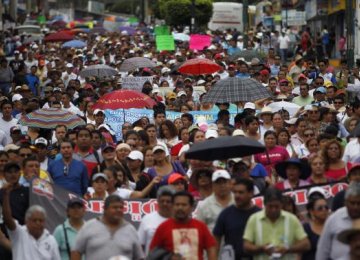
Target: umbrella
<point>248,55</point>
<point>199,66</point>
<point>224,147</point>
<point>99,30</point>
<point>290,107</point>
<point>181,37</point>
<point>33,38</point>
<point>130,30</point>
<point>74,44</point>
<point>49,118</point>
<point>124,99</point>
<point>99,70</point>
<point>59,37</point>
<point>235,89</point>
<point>136,63</point>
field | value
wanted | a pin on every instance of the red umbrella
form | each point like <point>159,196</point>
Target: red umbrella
<point>199,66</point>
<point>59,37</point>
<point>124,99</point>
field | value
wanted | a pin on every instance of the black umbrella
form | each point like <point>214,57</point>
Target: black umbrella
<point>235,89</point>
<point>224,147</point>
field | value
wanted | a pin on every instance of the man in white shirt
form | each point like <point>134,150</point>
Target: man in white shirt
<point>7,121</point>
<point>31,241</point>
<point>351,152</point>
<point>283,41</point>
<point>150,222</point>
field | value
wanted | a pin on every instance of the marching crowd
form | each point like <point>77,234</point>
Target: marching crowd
<point>316,144</point>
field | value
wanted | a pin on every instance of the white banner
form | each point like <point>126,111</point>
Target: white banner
<point>135,83</point>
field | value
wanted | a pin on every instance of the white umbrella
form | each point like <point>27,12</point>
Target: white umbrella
<point>290,107</point>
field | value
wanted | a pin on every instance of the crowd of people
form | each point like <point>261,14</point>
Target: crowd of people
<point>315,145</point>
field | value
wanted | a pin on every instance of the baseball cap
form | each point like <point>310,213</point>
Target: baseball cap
<point>165,70</point>
<point>175,177</point>
<point>249,105</point>
<point>318,190</point>
<point>11,147</point>
<point>41,140</point>
<point>99,175</point>
<point>75,201</point>
<point>291,121</point>
<point>238,132</point>
<point>123,145</point>
<point>211,133</point>
<point>181,93</point>
<point>57,89</point>
<point>171,95</point>
<point>15,128</point>
<point>136,155</point>
<point>69,65</point>
<point>158,148</point>
<point>16,97</point>
<point>96,111</point>
<point>220,174</point>
<point>322,90</point>
<point>107,146</point>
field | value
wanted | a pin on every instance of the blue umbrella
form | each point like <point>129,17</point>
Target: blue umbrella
<point>74,44</point>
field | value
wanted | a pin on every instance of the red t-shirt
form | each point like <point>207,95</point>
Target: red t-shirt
<point>187,239</point>
<point>176,149</point>
<point>276,155</point>
<point>338,173</point>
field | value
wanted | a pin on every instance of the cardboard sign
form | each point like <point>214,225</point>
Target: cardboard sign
<point>165,43</point>
<point>199,42</point>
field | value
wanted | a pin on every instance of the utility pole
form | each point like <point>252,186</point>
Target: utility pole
<point>246,22</point>
<point>350,42</point>
<point>192,22</point>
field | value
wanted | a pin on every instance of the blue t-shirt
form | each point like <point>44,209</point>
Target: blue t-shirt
<point>33,81</point>
<point>258,171</point>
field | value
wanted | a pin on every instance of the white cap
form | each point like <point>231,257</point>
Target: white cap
<point>69,65</point>
<point>201,81</point>
<point>220,174</point>
<point>250,105</point>
<point>34,46</point>
<point>41,140</point>
<point>16,97</point>
<point>228,37</point>
<point>164,70</point>
<point>155,90</point>
<point>238,132</point>
<point>96,111</point>
<point>211,134</point>
<point>181,93</point>
<point>17,87</point>
<point>320,190</point>
<point>107,128</point>
<point>136,155</point>
<point>99,175</point>
<point>291,121</point>
<point>159,147</point>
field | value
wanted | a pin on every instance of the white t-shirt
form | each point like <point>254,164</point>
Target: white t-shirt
<point>147,228</point>
<point>25,246</point>
<point>351,152</point>
<point>121,192</point>
<point>5,126</point>
<point>284,42</point>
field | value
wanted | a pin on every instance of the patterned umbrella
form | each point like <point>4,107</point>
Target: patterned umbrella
<point>247,55</point>
<point>49,118</point>
<point>74,44</point>
<point>235,89</point>
<point>99,70</point>
<point>136,63</point>
<point>199,66</point>
<point>124,99</point>
<point>59,37</point>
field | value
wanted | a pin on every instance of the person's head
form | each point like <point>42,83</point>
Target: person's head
<point>332,152</point>
<point>99,116</point>
<point>99,182</point>
<point>122,151</point>
<point>4,159</point>
<point>183,203</point>
<point>313,114</point>
<point>159,152</point>
<point>312,145</point>
<point>132,138</point>
<point>339,102</point>
<point>317,208</point>
<point>24,152</point>
<point>283,137</point>
<point>31,167</point>
<point>83,138</point>
<point>304,90</point>
<point>221,183</point>
<point>178,123</point>
<point>273,203</point>
<point>252,124</point>
<point>35,218</point>
<point>165,201</point>
<point>75,209</point>
<point>354,174</point>
<point>184,135</point>
<point>308,133</point>
<point>108,152</point>
<point>167,130</point>
<point>187,119</point>
<point>289,204</point>
<point>197,136</point>
<point>300,126</point>
<point>224,117</point>
<point>66,149</point>
<point>12,172</point>
<point>201,177</point>
<point>135,160</point>
<point>6,109</point>
<point>178,182</point>
<point>270,138</point>
<point>60,132</point>
<point>277,120</point>
<point>243,190</point>
<point>351,123</point>
<point>113,209</point>
<point>159,117</point>
<point>352,200</point>
<point>41,148</point>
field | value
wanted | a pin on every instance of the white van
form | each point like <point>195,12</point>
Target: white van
<point>226,15</point>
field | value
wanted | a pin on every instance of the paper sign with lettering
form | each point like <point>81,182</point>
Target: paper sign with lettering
<point>135,83</point>
<point>199,42</point>
<point>162,30</point>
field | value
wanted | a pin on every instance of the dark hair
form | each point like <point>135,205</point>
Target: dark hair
<point>6,102</point>
<point>270,132</point>
<point>249,184</point>
<point>144,137</point>
<point>29,159</point>
<point>165,191</point>
<point>188,116</point>
<point>284,130</point>
<point>112,199</point>
<point>67,141</point>
<point>272,194</point>
<point>184,194</point>
<point>192,135</point>
<point>59,126</point>
<point>150,126</point>
<point>250,119</point>
<point>289,200</point>
<point>181,130</point>
<point>222,113</point>
<point>131,132</point>
<point>158,112</point>
<point>83,129</point>
<point>172,129</point>
<point>299,120</point>
<point>312,201</point>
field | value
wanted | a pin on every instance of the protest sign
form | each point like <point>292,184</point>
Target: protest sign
<point>135,83</point>
<point>54,199</point>
<point>162,30</point>
<point>199,42</point>
<point>165,43</point>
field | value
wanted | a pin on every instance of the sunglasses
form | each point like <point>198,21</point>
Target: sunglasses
<point>324,207</point>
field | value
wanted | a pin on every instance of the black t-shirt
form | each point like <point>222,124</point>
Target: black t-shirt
<point>231,225</point>
<point>19,203</point>
<point>314,238</point>
<point>338,201</point>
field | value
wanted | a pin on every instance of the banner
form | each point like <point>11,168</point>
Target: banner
<point>135,83</point>
<point>165,43</point>
<point>199,42</point>
<point>54,199</point>
<point>162,30</point>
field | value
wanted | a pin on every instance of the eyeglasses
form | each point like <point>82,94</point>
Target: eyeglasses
<point>324,207</point>
<point>309,135</point>
<point>66,170</point>
<point>25,154</point>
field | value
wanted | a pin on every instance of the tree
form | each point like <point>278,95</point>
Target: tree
<point>178,12</point>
